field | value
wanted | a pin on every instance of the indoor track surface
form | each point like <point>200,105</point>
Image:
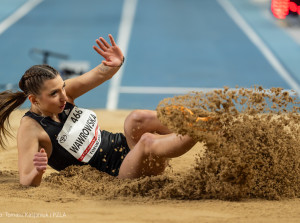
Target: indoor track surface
<point>171,46</point>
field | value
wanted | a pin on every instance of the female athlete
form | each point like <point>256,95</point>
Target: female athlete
<point>55,132</point>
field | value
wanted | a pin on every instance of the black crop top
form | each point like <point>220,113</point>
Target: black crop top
<point>75,140</point>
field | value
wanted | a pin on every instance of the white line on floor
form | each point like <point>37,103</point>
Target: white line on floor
<point>124,33</point>
<point>18,14</point>
<point>257,41</point>
<point>160,90</point>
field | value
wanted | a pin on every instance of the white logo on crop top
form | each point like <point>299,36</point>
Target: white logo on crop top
<point>80,134</point>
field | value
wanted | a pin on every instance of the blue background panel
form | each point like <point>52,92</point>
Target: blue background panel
<point>174,43</point>
<point>193,44</point>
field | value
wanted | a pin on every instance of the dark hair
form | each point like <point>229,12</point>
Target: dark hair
<point>30,83</point>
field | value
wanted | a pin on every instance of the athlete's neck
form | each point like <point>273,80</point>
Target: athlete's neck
<point>37,111</point>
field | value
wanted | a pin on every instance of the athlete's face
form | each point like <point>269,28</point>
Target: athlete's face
<point>52,97</point>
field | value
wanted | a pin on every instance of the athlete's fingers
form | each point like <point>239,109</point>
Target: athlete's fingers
<point>99,51</point>
<point>101,45</point>
<point>40,159</point>
<point>39,164</point>
<point>112,40</point>
<point>40,154</point>
<point>104,42</point>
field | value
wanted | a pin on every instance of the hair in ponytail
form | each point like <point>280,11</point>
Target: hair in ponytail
<point>30,83</point>
<point>9,101</point>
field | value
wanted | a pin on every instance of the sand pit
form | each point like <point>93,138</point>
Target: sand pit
<point>180,195</point>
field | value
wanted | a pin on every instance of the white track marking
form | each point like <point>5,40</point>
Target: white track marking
<point>160,90</point>
<point>257,41</point>
<point>124,33</point>
<point>18,14</point>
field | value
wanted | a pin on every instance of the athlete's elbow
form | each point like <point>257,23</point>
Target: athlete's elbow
<point>26,180</point>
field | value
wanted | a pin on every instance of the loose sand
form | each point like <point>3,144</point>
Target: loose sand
<point>85,195</point>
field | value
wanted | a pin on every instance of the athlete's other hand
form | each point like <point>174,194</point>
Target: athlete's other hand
<point>112,53</point>
<point>40,161</point>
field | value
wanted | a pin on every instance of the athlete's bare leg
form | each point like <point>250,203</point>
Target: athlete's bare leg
<point>139,122</point>
<point>150,154</point>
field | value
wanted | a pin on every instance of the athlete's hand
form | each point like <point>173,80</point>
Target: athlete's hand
<point>40,161</point>
<point>112,53</point>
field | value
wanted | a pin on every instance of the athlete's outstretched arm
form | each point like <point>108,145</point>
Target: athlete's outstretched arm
<point>113,59</point>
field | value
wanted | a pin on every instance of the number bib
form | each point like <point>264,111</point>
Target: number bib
<point>80,134</point>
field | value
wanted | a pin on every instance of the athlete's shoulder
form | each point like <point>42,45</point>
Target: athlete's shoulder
<point>27,120</point>
<point>30,129</point>
<point>29,125</point>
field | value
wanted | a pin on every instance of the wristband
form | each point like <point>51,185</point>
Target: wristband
<point>122,61</point>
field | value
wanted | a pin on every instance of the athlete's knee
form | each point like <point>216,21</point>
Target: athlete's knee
<point>141,115</point>
<point>146,143</point>
<point>134,117</point>
<point>138,117</point>
<point>132,122</point>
